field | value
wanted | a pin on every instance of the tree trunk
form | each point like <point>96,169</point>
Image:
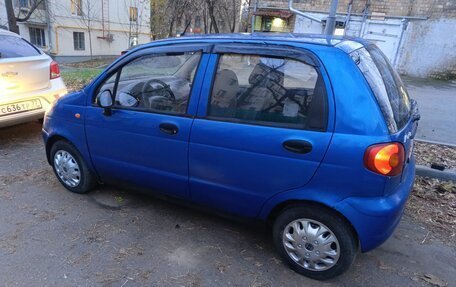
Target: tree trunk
<point>170,33</point>
<point>12,23</point>
<point>206,30</point>
<point>234,16</point>
<point>90,43</point>
<point>211,14</point>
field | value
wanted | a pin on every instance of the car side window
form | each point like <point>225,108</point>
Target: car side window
<point>263,90</point>
<point>108,84</point>
<point>154,83</point>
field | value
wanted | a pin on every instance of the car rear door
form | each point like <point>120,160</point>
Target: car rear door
<point>143,141</point>
<point>23,68</point>
<point>265,120</point>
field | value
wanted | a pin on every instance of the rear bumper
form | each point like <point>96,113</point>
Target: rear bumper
<point>375,219</point>
<point>47,97</point>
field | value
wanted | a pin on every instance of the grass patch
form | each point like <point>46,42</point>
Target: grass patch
<point>76,79</point>
<point>92,64</point>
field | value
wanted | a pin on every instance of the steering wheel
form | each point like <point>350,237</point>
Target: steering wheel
<point>161,89</point>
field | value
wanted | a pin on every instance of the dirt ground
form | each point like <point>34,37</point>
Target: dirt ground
<point>428,154</point>
<point>112,237</point>
<point>433,203</point>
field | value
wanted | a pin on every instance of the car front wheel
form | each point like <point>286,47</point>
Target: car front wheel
<point>315,241</point>
<point>70,168</point>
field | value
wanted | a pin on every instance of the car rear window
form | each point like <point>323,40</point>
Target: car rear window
<point>386,84</point>
<point>14,47</point>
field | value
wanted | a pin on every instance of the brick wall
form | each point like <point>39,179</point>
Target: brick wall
<point>433,9</point>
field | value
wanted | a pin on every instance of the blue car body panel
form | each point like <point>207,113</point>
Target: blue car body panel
<point>252,155</point>
<point>61,122</point>
<point>241,168</point>
<point>375,219</point>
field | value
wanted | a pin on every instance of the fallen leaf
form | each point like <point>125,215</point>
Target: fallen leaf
<point>434,280</point>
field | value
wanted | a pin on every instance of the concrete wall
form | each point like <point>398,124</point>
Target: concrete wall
<point>429,49</point>
<point>3,18</point>
<point>119,27</point>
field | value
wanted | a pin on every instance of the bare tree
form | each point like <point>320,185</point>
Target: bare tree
<point>85,10</point>
<point>211,4</point>
<point>216,15</point>
<point>138,20</point>
<point>88,13</point>
<point>228,12</point>
<point>13,19</point>
<point>176,10</point>
<point>158,18</point>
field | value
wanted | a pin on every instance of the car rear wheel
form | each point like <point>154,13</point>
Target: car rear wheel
<point>314,241</point>
<point>70,168</point>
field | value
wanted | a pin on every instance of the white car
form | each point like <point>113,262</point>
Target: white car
<point>29,80</point>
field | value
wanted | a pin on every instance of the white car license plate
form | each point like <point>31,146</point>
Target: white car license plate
<point>19,107</point>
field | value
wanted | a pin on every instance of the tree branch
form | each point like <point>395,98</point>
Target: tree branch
<point>30,12</point>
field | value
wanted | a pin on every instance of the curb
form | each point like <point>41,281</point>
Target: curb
<point>422,170</point>
<point>436,142</point>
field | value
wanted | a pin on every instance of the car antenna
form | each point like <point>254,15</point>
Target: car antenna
<point>186,27</point>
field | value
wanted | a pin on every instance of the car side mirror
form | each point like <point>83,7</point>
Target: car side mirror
<point>104,100</point>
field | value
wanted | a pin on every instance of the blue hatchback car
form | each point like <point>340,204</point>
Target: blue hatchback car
<point>310,134</point>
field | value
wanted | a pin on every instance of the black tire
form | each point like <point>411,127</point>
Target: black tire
<point>348,244</point>
<point>87,180</point>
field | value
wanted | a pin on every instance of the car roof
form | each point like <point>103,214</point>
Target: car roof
<point>347,44</point>
<point>6,32</point>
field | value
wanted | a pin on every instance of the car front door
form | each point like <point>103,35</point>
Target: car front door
<point>143,139</point>
<point>263,126</point>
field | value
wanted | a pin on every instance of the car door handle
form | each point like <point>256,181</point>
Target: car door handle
<point>168,128</point>
<point>298,146</point>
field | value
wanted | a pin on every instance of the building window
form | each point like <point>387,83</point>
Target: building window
<point>198,22</point>
<point>24,3</point>
<point>37,36</point>
<point>78,40</point>
<point>76,7</point>
<point>133,14</point>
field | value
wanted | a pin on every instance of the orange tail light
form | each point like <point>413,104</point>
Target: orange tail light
<point>385,159</point>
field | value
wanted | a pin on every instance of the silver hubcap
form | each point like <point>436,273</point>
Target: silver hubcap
<point>67,168</point>
<point>311,244</point>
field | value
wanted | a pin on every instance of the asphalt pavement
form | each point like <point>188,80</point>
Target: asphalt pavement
<point>437,104</point>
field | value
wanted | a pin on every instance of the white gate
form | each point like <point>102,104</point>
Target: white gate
<point>386,35</point>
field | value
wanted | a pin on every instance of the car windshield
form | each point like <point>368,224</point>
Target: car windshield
<point>386,85</point>
<point>14,47</point>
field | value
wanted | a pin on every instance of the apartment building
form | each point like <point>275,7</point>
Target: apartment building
<point>417,36</point>
<point>75,29</point>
